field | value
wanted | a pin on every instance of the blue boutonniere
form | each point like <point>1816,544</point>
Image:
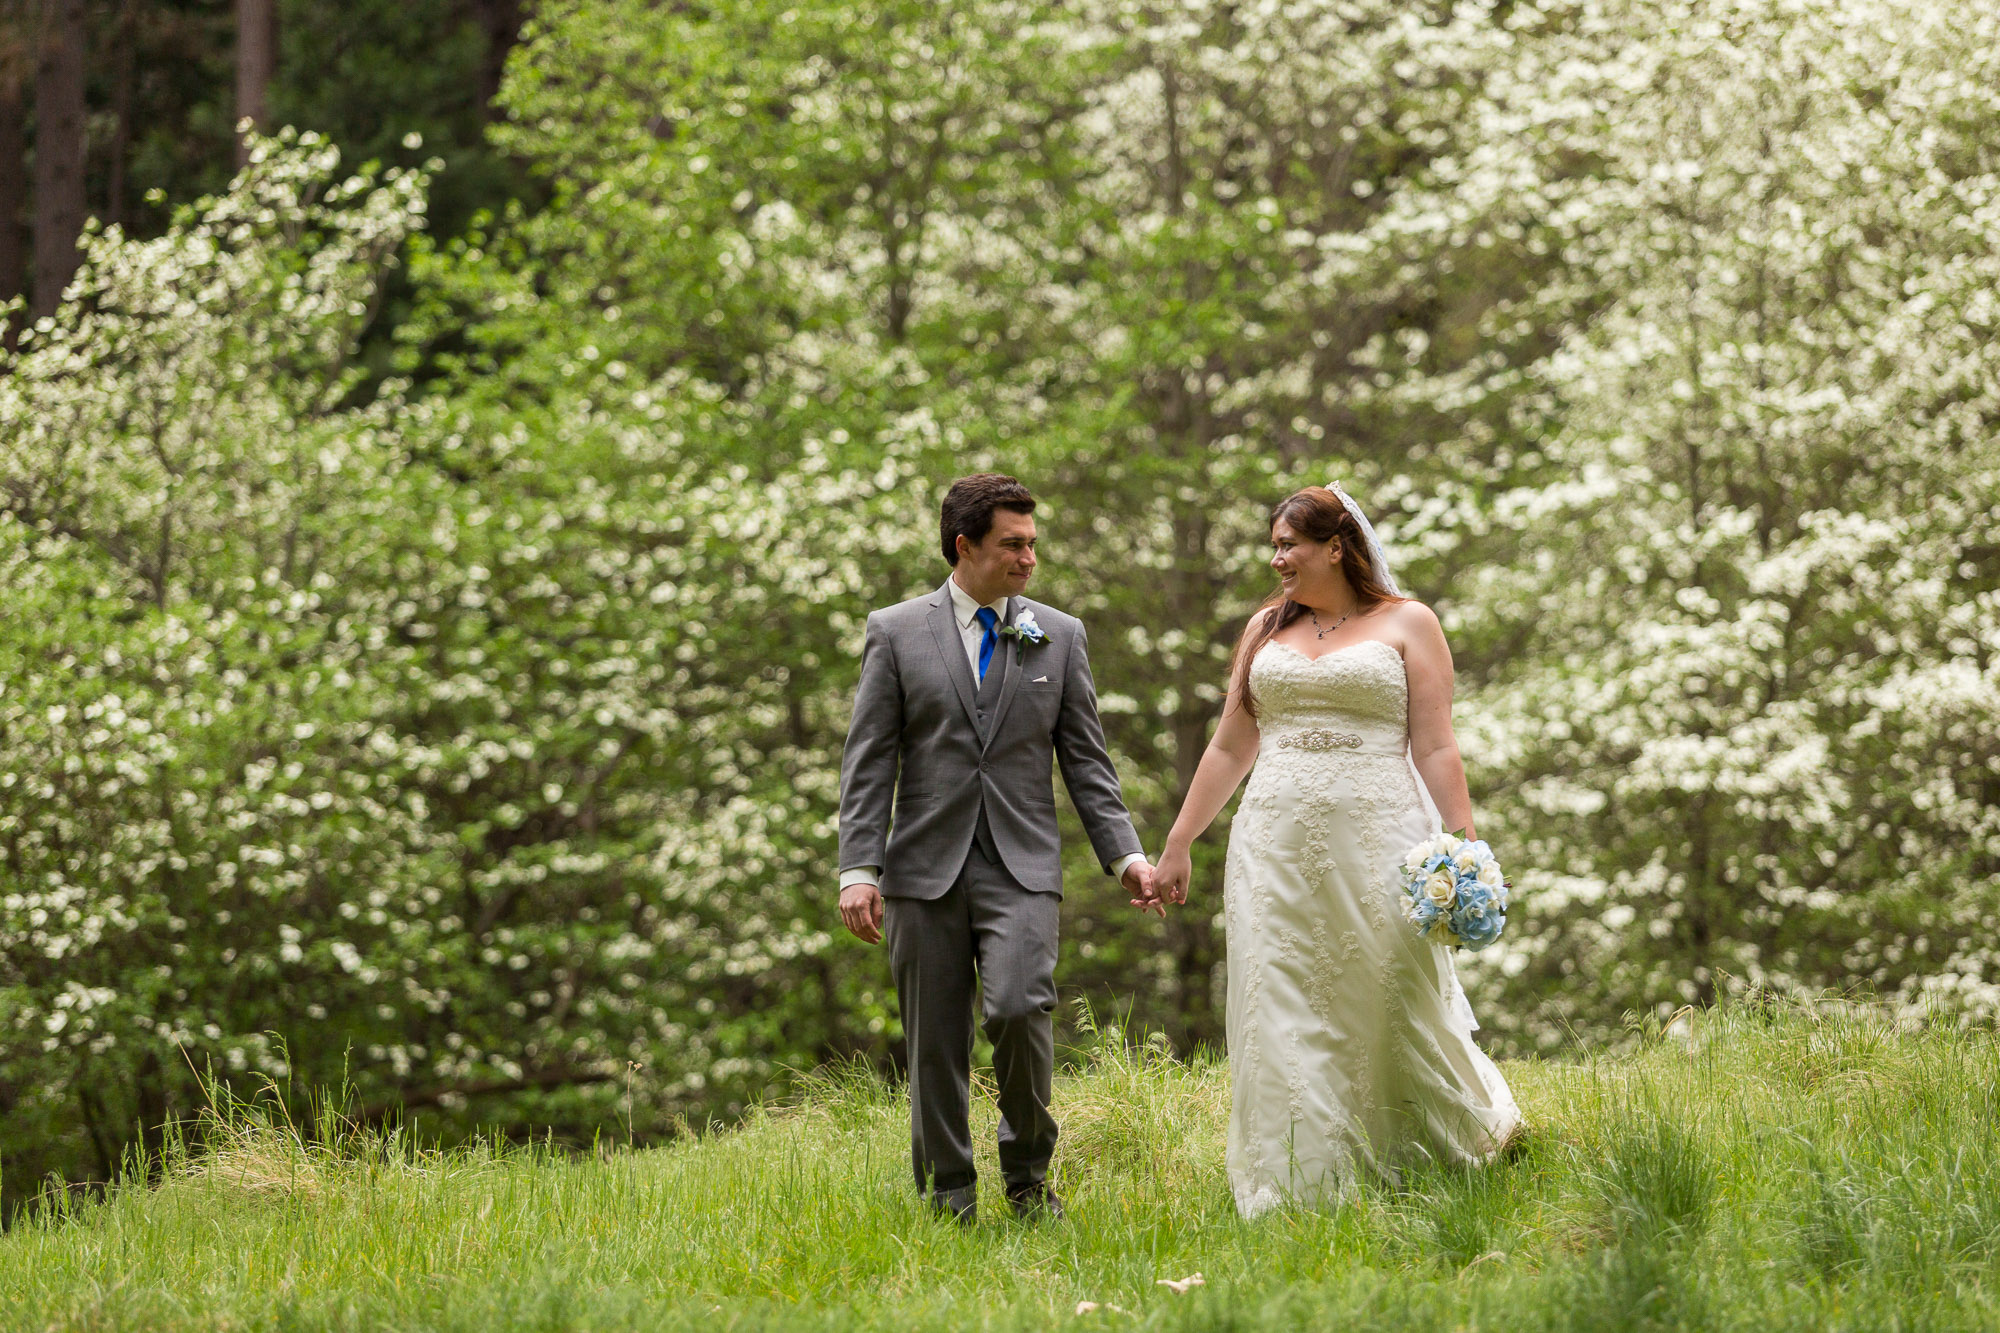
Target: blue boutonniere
<point>1023,632</point>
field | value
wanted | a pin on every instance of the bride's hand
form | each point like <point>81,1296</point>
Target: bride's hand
<point>1171,876</point>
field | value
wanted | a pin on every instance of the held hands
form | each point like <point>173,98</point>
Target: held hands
<point>861,904</point>
<point>1138,881</point>
<point>861,912</point>
<point>1170,879</point>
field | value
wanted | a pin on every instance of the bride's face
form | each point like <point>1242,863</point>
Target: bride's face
<point>1307,570</point>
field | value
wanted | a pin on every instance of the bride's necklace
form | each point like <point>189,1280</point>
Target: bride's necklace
<point>1322,633</point>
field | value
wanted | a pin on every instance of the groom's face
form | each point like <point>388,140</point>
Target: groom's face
<point>1001,565</point>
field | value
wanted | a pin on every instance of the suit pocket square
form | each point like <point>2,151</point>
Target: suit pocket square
<point>1039,680</point>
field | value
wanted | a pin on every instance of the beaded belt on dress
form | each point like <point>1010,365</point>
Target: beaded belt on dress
<point>1321,740</point>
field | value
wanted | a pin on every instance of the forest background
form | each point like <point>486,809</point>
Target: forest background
<point>436,526</point>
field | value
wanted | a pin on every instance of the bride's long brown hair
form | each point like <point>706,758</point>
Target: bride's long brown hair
<point>1317,514</point>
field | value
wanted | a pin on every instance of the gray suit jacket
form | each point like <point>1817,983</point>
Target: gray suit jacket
<point>914,712</point>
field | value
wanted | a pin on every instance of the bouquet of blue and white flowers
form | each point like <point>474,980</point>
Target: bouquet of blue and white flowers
<point>1456,892</point>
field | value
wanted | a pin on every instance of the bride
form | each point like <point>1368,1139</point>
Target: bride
<point>1350,1042</point>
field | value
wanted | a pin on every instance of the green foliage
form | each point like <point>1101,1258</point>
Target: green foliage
<point>867,229</point>
<point>457,770</point>
<point>802,1217</point>
<point>477,740</point>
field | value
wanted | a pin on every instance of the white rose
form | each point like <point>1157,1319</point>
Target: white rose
<point>1440,888</point>
<point>1466,856</point>
<point>1490,876</point>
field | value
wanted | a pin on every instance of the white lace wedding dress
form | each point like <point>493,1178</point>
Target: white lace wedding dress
<point>1350,1042</point>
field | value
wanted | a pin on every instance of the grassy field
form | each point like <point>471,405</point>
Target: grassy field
<point>1753,1169</point>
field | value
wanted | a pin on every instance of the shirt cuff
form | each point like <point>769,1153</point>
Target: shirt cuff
<point>1125,863</point>
<point>860,875</point>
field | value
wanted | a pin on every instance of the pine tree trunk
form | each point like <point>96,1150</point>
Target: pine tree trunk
<point>500,20</point>
<point>59,149</point>
<point>124,77</point>
<point>256,61</point>
<point>13,151</point>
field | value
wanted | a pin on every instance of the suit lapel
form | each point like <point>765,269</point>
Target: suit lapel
<point>1010,682</point>
<point>944,628</point>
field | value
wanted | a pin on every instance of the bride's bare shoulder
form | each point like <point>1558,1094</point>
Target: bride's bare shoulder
<point>1412,624</point>
<point>1410,612</point>
<point>1259,620</point>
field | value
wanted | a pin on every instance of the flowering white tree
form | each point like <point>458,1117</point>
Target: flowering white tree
<point>1746,734</point>
<point>480,738</point>
<point>194,802</point>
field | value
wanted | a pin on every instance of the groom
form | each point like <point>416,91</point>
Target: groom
<point>969,691</point>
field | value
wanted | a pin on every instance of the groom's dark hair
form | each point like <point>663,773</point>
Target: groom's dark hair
<point>969,506</point>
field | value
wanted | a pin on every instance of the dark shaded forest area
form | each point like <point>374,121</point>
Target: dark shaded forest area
<point>117,110</point>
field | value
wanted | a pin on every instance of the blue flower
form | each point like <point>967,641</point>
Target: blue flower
<point>1473,899</point>
<point>1478,932</point>
<point>1477,910</point>
<point>1023,631</point>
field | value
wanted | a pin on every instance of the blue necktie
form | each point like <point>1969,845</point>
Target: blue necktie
<point>987,618</point>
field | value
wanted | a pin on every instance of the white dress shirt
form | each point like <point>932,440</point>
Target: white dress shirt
<point>971,632</point>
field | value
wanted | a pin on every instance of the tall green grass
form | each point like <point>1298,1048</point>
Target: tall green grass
<point>1762,1169</point>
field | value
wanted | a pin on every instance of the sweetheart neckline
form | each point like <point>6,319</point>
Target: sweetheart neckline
<point>1334,652</point>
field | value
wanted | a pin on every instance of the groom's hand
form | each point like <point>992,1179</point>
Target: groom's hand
<point>1138,880</point>
<point>861,912</point>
